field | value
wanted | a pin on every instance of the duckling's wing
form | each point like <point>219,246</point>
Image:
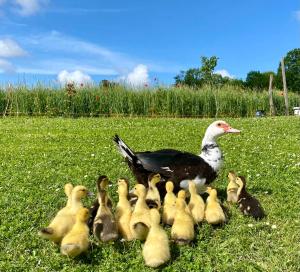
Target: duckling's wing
<point>93,212</point>
<point>110,230</point>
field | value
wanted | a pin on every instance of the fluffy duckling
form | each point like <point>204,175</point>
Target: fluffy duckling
<point>65,218</point>
<point>196,204</point>
<point>182,231</point>
<point>68,192</point>
<point>123,210</point>
<point>77,239</point>
<point>156,250</point>
<point>102,184</point>
<point>105,226</point>
<point>248,204</point>
<point>153,196</point>
<point>140,219</point>
<point>214,213</point>
<point>232,188</point>
<point>169,206</point>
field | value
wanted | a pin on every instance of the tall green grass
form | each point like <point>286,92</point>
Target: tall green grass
<point>227,101</point>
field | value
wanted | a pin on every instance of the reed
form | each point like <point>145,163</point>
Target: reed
<point>228,101</point>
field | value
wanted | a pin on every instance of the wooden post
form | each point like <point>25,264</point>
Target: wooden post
<point>272,108</point>
<point>286,102</point>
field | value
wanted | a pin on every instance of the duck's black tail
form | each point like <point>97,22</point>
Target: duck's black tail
<point>125,151</point>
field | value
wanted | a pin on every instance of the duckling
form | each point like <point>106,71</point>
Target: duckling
<point>232,188</point>
<point>156,250</point>
<point>105,226</point>
<point>214,213</point>
<point>182,195</point>
<point>68,192</point>
<point>182,231</point>
<point>65,218</point>
<point>123,210</point>
<point>153,196</point>
<point>140,219</point>
<point>77,239</point>
<point>102,183</point>
<point>169,206</point>
<point>196,204</point>
<point>248,204</point>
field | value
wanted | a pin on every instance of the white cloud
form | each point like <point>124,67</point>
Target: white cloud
<point>6,66</point>
<point>9,49</point>
<point>29,7</point>
<point>224,73</point>
<point>77,77</point>
<point>138,77</point>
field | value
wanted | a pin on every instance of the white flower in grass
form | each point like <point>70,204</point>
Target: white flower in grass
<point>93,155</point>
<point>250,225</point>
<point>85,176</point>
<point>274,227</point>
<point>267,223</point>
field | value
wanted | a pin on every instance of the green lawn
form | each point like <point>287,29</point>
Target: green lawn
<point>39,155</point>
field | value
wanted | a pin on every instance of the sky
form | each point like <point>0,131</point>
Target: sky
<point>141,42</point>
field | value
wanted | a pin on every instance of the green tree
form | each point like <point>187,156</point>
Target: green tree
<point>199,76</point>
<point>292,71</point>
<point>258,80</point>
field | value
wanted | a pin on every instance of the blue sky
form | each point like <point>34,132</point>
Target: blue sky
<point>137,41</point>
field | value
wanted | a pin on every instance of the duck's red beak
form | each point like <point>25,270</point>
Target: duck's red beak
<point>229,129</point>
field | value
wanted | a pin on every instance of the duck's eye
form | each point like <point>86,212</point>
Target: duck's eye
<point>219,124</point>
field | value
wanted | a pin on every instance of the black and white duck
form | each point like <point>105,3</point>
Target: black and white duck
<point>179,166</point>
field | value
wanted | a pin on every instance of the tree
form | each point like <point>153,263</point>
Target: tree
<point>199,76</point>
<point>258,80</point>
<point>292,71</point>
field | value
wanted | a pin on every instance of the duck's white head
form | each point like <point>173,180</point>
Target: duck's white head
<point>217,129</point>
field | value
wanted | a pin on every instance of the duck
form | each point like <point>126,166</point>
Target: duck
<point>64,220</point>
<point>76,240</point>
<point>101,183</point>
<point>105,226</point>
<point>153,196</point>
<point>123,210</point>
<point>140,218</point>
<point>232,188</point>
<point>182,231</point>
<point>156,250</point>
<point>169,204</point>
<point>214,213</point>
<point>248,204</point>
<point>179,166</point>
<point>196,204</point>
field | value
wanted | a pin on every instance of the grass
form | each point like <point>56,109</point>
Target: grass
<point>39,155</point>
<point>227,101</point>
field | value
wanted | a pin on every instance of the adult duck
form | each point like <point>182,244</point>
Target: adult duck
<point>179,166</point>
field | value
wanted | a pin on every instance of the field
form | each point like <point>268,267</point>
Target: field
<point>39,155</point>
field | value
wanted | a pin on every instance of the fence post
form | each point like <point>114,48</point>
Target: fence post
<point>272,108</point>
<point>286,102</point>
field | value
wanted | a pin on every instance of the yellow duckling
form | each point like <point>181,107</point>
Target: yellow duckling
<point>65,218</point>
<point>153,196</point>
<point>232,188</point>
<point>140,219</point>
<point>77,239</point>
<point>182,231</point>
<point>105,226</point>
<point>123,210</point>
<point>156,250</point>
<point>214,213</point>
<point>169,206</point>
<point>196,204</point>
